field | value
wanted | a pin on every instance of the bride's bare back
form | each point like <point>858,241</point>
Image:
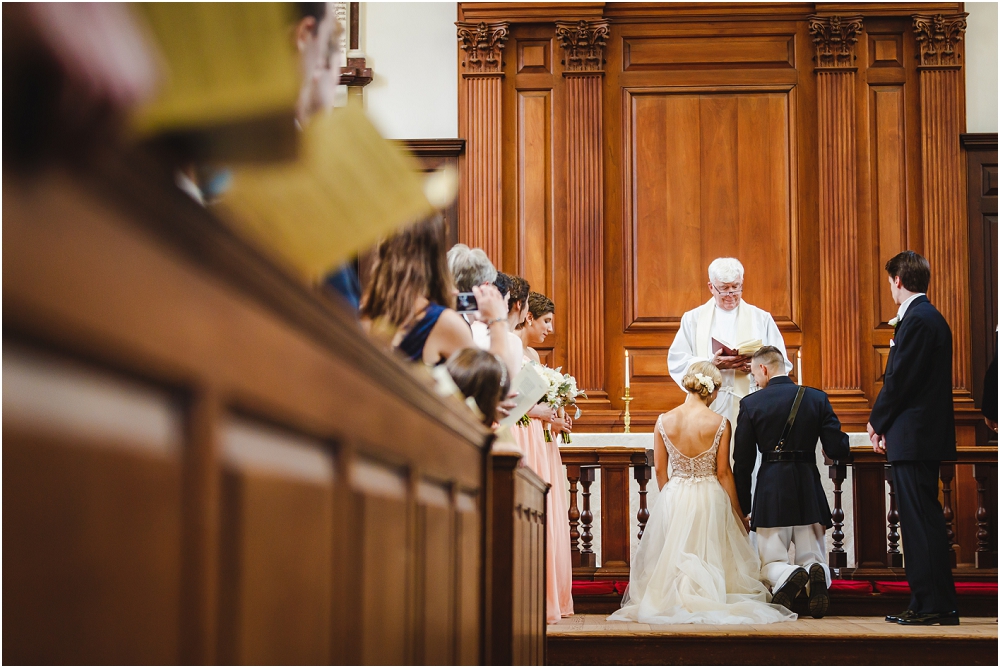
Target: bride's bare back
<point>691,428</point>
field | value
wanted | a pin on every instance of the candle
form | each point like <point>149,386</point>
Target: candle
<point>798,366</point>
<point>626,368</point>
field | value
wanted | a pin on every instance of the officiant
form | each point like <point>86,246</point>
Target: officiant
<point>728,319</point>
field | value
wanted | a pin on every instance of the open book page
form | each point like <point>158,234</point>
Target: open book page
<point>530,387</point>
<point>745,349</point>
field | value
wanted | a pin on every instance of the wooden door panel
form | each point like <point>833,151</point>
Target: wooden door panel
<point>468,542</point>
<point>436,528</point>
<point>712,177</point>
<point>534,205</point>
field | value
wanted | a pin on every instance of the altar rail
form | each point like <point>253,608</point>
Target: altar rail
<point>207,462</point>
<point>614,463</point>
<point>876,528</point>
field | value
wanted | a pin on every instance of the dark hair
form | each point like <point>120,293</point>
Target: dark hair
<point>408,265</point>
<point>519,289</point>
<point>502,283</point>
<point>769,356</point>
<point>317,10</point>
<point>913,270</point>
<point>481,376</point>
<point>539,305</point>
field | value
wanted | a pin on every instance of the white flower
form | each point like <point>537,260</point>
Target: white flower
<point>894,321</point>
<point>705,382</point>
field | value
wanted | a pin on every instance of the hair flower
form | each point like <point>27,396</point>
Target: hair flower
<point>705,382</point>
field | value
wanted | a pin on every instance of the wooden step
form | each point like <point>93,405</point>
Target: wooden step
<point>591,640</point>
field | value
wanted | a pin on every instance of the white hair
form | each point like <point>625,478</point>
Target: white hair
<point>725,270</point>
<point>470,267</point>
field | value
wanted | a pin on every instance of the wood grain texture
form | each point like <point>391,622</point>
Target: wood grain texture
<point>838,220</point>
<point>945,232</point>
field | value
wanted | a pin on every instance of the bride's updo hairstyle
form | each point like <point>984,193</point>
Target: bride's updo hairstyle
<point>702,378</point>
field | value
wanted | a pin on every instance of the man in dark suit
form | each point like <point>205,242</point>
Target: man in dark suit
<point>789,504</point>
<point>914,422</point>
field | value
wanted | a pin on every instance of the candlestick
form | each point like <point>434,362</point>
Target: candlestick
<point>628,416</point>
<point>626,371</point>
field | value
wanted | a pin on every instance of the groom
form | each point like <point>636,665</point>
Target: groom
<point>913,424</point>
<point>785,421</point>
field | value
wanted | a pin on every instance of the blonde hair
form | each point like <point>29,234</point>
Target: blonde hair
<point>702,378</point>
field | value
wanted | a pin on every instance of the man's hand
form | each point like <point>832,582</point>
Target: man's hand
<point>746,523</point>
<point>738,362</point>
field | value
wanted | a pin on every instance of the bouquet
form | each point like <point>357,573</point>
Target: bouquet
<point>562,394</point>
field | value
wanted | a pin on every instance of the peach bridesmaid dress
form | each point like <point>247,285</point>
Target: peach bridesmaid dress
<point>543,458</point>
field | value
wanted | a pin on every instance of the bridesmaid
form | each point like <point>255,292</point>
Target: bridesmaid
<point>559,565</point>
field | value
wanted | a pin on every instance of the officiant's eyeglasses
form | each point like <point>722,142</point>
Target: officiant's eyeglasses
<point>728,293</point>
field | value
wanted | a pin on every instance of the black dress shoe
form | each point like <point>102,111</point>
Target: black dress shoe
<point>793,585</point>
<point>819,597</point>
<point>930,619</point>
<point>906,614</point>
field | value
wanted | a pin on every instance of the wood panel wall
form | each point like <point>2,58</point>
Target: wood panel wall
<point>204,462</point>
<point>812,141</point>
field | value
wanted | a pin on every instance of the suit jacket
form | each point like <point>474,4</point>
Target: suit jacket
<point>788,493</point>
<point>914,409</point>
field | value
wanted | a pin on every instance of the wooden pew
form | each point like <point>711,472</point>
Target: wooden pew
<point>207,462</point>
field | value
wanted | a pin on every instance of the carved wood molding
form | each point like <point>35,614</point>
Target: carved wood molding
<point>483,45</point>
<point>583,44</point>
<point>937,37</point>
<point>835,38</point>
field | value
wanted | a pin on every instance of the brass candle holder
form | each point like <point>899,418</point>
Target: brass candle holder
<point>628,416</point>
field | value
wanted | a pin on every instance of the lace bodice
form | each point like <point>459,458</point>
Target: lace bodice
<point>701,465</point>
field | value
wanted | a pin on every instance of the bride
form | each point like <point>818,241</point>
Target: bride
<point>695,563</point>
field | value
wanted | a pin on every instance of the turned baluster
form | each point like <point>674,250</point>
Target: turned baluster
<point>838,557</point>
<point>985,558</point>
<point>893,556</point>
<point>643,473</point>
<point>573,475</point>
<point>587,557</point>
<point>947,472</point>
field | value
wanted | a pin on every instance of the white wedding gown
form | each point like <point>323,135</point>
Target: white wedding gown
<point>695,563</point>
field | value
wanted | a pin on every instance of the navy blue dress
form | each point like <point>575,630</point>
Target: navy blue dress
<point>412,344</point>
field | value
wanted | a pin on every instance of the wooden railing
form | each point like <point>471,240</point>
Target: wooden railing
<point>876,528</point>
<point>614,463</point>
<point>517,564</point>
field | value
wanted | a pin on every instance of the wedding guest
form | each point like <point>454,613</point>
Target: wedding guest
<point>913,424</point>
<point>544,459</point>
<point>481,376</point>
<point>409,298</point>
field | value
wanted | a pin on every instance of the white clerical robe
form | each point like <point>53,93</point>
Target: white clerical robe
<point>693,343</point>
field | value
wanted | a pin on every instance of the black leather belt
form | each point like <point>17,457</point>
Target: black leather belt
<point>789,456</point>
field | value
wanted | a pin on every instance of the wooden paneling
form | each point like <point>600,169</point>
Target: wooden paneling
<point>534,192</point>
<point>650,53</point>
<point>888,131</point>
<point>712,177</point>
<point>203,457</point>
<point>518,578</point>
<point>712,145</point>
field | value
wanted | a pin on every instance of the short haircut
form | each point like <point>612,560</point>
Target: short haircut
<point>770,357</point>
<point>539,305</point>
<point>725,270</point>
<point>913,270</point>
<point>470,267</point>
<point>502,283</point>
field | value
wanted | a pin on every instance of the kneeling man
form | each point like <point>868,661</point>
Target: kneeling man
<point>784,421</point>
